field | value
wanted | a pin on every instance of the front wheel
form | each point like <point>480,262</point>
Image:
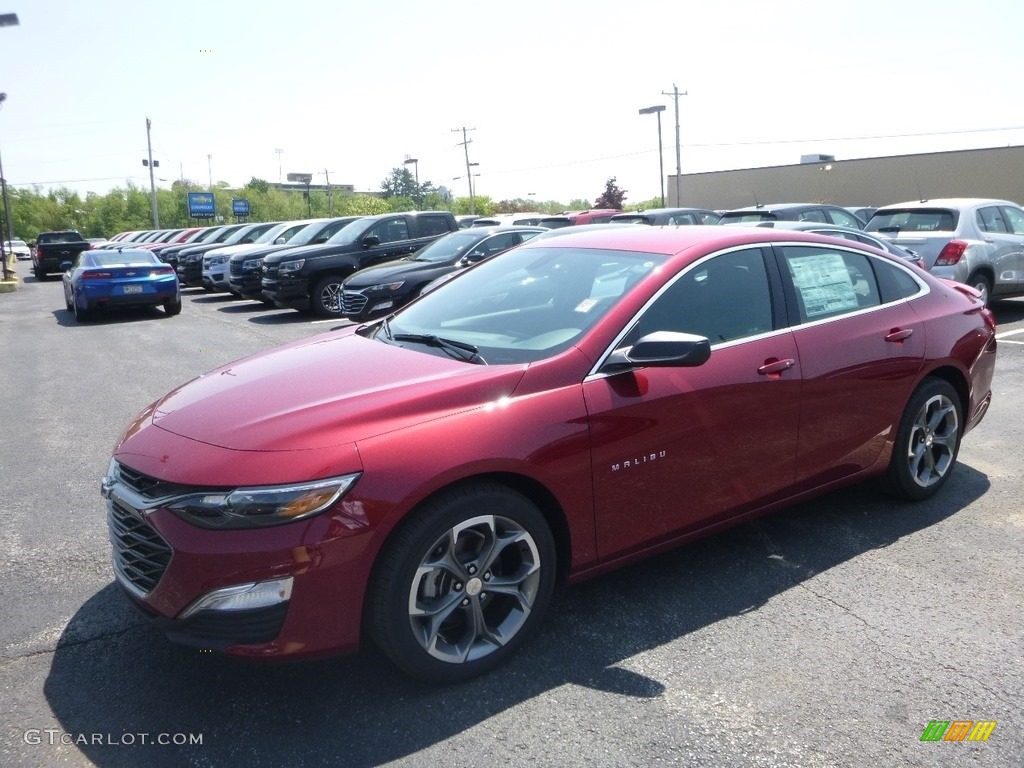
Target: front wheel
<point>462,585</point>
<point>927,441</point>
<point>326,298</point>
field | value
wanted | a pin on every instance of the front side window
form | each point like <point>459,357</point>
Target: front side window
<point>828,282</point>
<point>1015,218</point>
<point>990,220</point>
<point>724,298</point>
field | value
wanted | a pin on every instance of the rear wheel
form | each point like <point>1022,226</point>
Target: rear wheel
<point>82,313</point>
<point>326,298</point>
<point>462,585</point>
<point>172,307</point>
<point>981,283</point>
<point>927,441</point>
<point>39,273</point>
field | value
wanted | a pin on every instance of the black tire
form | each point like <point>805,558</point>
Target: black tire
<point>172,308</point>
<point>68,304</point>
<point>927,441</point>
<point>326,297</point>
<point>446,559</point>
<point>40,274</point>
<point>983,285</point>
<point>81,313</point>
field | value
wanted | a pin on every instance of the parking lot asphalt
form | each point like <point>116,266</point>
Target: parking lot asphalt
<point>829,634</point>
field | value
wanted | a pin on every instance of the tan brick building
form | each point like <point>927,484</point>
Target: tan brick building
<point>874,181</point>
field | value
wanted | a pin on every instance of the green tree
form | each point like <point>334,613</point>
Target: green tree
<point>612,197</point>
<point>399,183</point>
<point>579,204</point>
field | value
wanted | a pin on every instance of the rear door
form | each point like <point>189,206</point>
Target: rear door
<point>861,346</point>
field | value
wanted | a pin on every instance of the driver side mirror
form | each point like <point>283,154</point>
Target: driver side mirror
<point>661,349</point>
<point>280,241</point>
<point>371,241</point>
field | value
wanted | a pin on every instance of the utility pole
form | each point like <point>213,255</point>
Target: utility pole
<point>279,152</point>
<point>152,183</point>
<point>209,166</point>
<point>679,166</point>
<point>330,195</point>
<point>469,174</point>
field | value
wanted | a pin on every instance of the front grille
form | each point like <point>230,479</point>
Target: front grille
<point>140,554</point>
<point>235,270</point>
<point>150,487</point>
<point>271,270</point>
<point>352,303</point>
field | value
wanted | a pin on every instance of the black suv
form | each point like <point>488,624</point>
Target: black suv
<point>310,277</point>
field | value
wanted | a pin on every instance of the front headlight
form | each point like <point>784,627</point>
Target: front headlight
<point>262,506</point>
<point>213,261</point>
<point>287,267</point>
<point>252,265</point>
<point>384,287</point>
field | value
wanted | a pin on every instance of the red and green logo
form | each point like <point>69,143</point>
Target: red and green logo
<point>958,730</point>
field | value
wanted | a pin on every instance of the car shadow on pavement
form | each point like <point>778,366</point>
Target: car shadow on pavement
<point>113,675</point>
<point>112,316</point>
<point>1007,311</point>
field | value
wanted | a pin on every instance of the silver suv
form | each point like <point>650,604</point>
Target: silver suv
<point>974,241</point>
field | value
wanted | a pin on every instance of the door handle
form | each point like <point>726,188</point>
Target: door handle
<point>897,335</point>
<point>774,367</point>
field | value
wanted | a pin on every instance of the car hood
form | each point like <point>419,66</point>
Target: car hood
<point>258,251</point>
<point>231,250</point>
<point>394,269</point>
<point>330,390</point>
<point>312,251</point>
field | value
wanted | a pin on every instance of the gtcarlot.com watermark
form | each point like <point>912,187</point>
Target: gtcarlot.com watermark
<point>53,736</point>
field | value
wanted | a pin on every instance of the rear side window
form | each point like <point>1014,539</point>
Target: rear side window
<point>914,220</point>
<point>681,219</point>
<point>846,219</point>
<point>893,283</point>
<point>829,283</point>
<point>812,215</point>
<point>434,225</point>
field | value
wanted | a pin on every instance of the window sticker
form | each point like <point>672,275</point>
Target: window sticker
<point>824,284</point>
<point>586,305</point>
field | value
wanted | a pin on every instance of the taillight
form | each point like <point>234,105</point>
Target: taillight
<point>161,271</point>
<point>96,275</point>
<point>989,318</point>
<point>951,253</point>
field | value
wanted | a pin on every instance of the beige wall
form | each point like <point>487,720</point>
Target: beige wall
<point>875,181</point>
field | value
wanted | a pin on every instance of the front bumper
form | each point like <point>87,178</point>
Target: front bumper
<point>165,565</point>
<point>289,293</point>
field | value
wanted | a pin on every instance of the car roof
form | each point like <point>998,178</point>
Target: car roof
<point>666,240</point>
<point>780,207</point>
<point>949,202</point>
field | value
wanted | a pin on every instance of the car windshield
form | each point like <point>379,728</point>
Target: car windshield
<point>275,232</point>
<point>317,229</point>
<point>208,235</point>
<point>527,305</point>
<point>913,220</point>
<point>449,247</point>
<point>351,233</point>
<point>16,244</point>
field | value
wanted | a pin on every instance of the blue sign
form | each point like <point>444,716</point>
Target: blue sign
<point>200,205</point>
<point>240,207</point>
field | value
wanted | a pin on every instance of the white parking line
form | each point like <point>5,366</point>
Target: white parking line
<point>1004,334</point>
<point>1011,341</point>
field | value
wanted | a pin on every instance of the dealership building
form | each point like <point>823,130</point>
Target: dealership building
<point>872,181</point>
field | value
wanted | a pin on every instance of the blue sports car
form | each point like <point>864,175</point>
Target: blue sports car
<point>119,277</point>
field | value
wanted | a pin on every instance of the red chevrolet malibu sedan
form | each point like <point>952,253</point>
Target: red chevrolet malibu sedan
<point>566,408</point>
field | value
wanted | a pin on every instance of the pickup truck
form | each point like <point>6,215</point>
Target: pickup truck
<point>55,248</point>
<point>310,277</point>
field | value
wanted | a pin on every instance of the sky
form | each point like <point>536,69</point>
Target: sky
<point>549,92</point>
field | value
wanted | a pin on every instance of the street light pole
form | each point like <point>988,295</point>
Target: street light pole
<point>679,166</point>
<point>657,110</point>
<point>7,205</point>
<point>152,183</point>
<point>416,167</point>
